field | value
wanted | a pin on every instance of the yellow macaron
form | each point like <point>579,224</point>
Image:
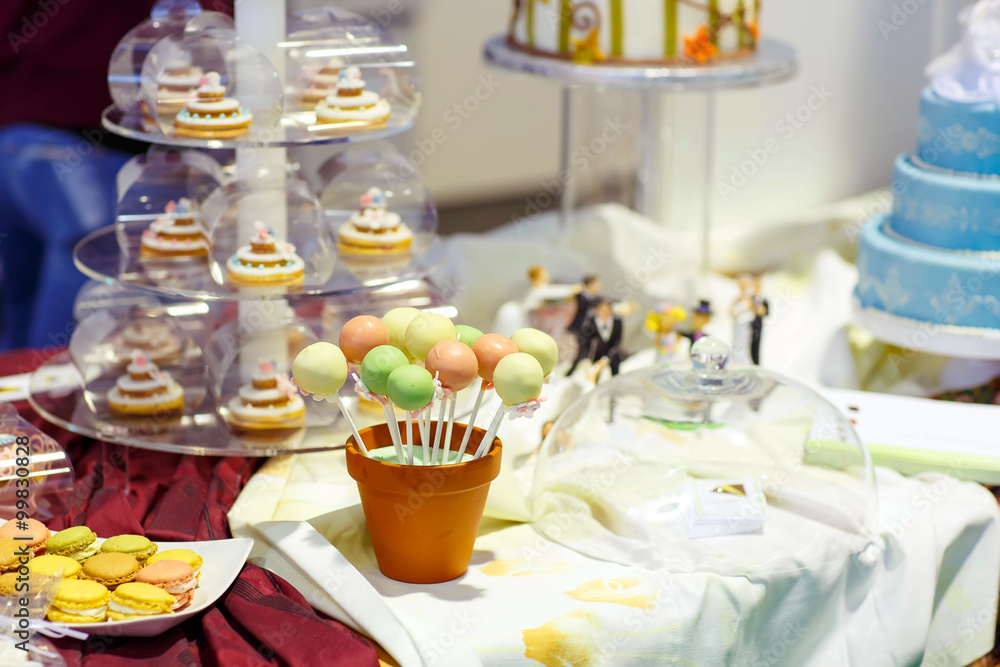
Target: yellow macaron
<point>79,601</point>
<point>137,600</point>
<point>51,566</point>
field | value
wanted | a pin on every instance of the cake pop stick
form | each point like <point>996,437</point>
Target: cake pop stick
<point>451,423</point>
<point>489,350</point>
<point>519,380</point>
<point>411,388</point>
<point>456,367</point>
<point>321,370</point>
<point>472,420</point>
<point>376,367</point>
<point>438,432</point>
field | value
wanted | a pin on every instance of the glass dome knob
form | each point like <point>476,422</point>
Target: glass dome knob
<point>709,354</point>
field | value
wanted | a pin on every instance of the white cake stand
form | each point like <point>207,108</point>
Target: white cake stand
<point>201,431</point>
<point>942,339</point>
<point>772,63</point>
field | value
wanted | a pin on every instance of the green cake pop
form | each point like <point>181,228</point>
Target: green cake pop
<point>378,365</point>
<point>466,334</point>
<point>410,387</point>
<point>538,344</point>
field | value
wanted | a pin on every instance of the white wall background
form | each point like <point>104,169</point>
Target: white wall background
<point>869,55</point>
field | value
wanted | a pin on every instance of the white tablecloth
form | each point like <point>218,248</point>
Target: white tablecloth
<point>925,592</point>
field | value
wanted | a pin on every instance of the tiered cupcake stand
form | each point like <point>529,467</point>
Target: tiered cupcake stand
<point>206,307</point>
<point>773,62</point>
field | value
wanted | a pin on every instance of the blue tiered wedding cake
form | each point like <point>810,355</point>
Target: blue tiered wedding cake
<point>929,272</point>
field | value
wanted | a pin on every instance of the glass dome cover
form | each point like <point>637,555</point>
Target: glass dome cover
<point>735,472</point>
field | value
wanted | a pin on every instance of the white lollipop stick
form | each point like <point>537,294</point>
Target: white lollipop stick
<point>451,423</point>
<point>438,433</point>
<point>491,432</point>
<point>354,428</point>
<point>425,440</point>
<point>472,421</point>
<point>390,419</point>
<point>409,438</point>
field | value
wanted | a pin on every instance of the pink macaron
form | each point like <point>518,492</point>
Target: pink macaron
<point>174,576</point>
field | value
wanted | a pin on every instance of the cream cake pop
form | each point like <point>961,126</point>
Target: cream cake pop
<point>455,367</point>
<point>422,333</point>
<point>373,383</point>
<point>396,321</point>
<point>538,344</point>
<point>518,379</point>
<point>489,350</point>
<point>411,388</point>
<point>425,331</point>
<point>321,370</point>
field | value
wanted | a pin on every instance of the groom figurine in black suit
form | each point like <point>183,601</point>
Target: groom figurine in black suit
<point>582,324</point>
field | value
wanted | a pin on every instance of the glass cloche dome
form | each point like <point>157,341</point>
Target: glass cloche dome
<point>734,472</point>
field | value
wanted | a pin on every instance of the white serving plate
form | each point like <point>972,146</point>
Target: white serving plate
<point>223,561</point>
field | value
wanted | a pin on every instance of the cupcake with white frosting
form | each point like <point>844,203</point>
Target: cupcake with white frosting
<point>352,103</point>
<point>177,233</point>
<point>374,230</point>
<point>269,402</point>
<point>212,115</point>
<point>265,261</point>
<point>145,391</point>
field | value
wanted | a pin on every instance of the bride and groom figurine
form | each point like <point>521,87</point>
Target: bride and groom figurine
<point>597,326</point>
<point>749,312</point>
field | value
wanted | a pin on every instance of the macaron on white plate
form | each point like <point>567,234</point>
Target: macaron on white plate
<point>223,560</point>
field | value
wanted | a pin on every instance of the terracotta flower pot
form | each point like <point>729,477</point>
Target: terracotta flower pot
<point>423,520</point>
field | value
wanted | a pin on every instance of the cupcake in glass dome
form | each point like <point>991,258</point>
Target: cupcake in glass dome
<point>352,103</point>
<point>266,260</point>
<point>374,231</point>
<point>177,86</point>
<point>145,391</point>
<point>177,233</point>
<point>270,402</point>
<point>212,115</point>
<point>323,84</point>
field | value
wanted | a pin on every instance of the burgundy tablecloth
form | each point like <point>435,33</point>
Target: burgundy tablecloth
<point>260,620</point>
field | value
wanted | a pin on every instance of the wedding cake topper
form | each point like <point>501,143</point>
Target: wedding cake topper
<point>970,70</point>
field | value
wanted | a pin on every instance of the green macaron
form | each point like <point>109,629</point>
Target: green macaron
<point>76,542</point>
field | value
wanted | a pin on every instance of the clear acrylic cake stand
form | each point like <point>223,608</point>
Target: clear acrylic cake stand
<point>200,431</point>
<point>773,62</point>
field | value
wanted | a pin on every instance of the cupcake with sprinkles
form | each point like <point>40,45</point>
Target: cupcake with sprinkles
<point>374,230</point>
<point>144,391</point>
<point>269,402</point>
<point>351,103</point>
<point>212,115</point>
<point>265,261</point>
<point>177,233</point>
